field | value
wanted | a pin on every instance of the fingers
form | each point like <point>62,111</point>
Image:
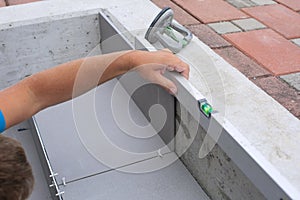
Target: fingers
<point>165,83</point>
<point>183,70</point>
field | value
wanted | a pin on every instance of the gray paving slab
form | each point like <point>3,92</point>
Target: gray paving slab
<point>241,3</point>
<point>79,147</point>
<point>293,80</point>
<point>296,41</point>
<point>248,24</point>
<point>264,2</point>
<point>172,182</point>
<point>224,27</point>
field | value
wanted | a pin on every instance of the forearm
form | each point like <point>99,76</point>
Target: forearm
<point>56,85</point>
<point>74,78</point>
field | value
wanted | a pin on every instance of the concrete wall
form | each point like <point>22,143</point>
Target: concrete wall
<point>216,173</point>
<point>27,49</point>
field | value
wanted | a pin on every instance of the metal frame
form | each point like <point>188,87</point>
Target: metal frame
<point>48,171</point>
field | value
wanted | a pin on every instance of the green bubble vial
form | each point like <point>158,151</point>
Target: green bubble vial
<point>206,108</point>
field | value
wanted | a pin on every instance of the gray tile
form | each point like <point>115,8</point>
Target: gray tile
<point>224,27</point>
<point>172,182</point>
<point>293,80</point>
<point>241,3</point>
<point>296,41</point>
<point>248,24</point>
<point>264,2</point>
<point>80,144</point>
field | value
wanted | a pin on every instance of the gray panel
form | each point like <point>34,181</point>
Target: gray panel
<point>144,95</point>
<point>147,95</point>
<point>111,39</point>
<point>173,182</point>
<point>67,153</point>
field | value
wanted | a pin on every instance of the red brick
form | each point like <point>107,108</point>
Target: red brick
<point>211,10</point>
<point>180,15</point>
<point>281,92</point>
<point>2,3</point>
<point>17,2</point>
<point>269,49</point>
<point>243,63</point>
<point>293,4</point>
<point>208,36</point>
<point>279,18</point>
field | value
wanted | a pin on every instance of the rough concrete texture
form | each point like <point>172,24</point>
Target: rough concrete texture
<point>208,36</point>
<point>179,14</point>
<point>224,27</point>
<point>248,24</point>
<point>216,173</point>
<point>296,41</point>
<point>241,3</point>
<point>28,49</point>
<point>263,2</point>
<point>282,92</point>
<point>242,62</point>
<point>293,80</point>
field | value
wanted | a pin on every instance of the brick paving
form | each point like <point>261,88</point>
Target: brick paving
<point>271,50</point>
<point>293,4</point>
<point>2,3</point>
<point>208,11</point>
<point>265,50</point>
<point>278,17</point>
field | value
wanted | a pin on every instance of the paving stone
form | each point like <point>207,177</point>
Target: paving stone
<point>248,24</point>
<point>263,2</point>
<point>180,15</point>
<point>241,3</point>
<point>209,11</point>
<point>296,41</point>
<point>269,49</point>
<point>293,4</point>
<point>242,62</point>
<point>17,2</point>
<point>282,92</point>
<point>293,80</point>
<point>277,17</point>
<point>224,27</point>
<point>2,3</point>
<point>208,36</point>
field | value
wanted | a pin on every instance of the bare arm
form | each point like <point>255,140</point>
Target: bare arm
<point>55,85</point>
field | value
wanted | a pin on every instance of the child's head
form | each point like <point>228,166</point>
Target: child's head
<point>16,179</point>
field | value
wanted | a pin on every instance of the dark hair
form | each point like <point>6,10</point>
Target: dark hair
<point>16,178</point>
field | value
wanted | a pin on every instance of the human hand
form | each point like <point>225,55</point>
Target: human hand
<point>152,66</point>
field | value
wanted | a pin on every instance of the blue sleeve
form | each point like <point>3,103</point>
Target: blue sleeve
<point>2,122</point>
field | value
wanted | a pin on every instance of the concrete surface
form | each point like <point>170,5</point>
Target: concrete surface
<point>241,3</point>
<point>296,41</point>
<point>263,2</point>
<point>248,24</point>
<point>224,27</point>
<point>293,80</point>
